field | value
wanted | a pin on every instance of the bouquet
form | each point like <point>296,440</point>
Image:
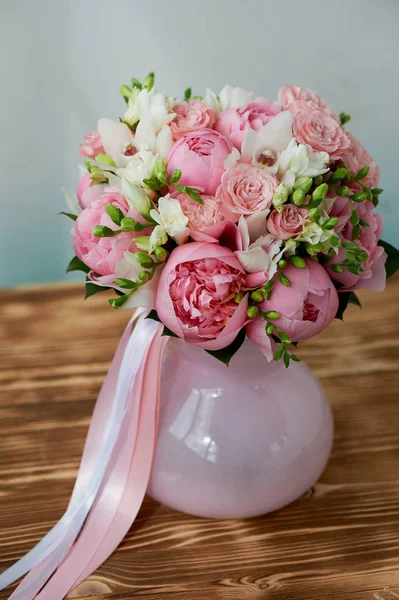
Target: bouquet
<point>218,218</point>
<point>229,216</point>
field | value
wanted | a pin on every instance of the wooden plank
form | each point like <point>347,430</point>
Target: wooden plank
<point>339,541</point>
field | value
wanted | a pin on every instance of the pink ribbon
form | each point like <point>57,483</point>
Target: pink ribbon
<point>127,409</point>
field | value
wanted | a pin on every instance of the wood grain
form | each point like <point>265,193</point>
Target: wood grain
<point>340,541</point>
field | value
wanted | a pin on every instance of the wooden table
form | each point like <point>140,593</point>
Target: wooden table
<point>340,541</point>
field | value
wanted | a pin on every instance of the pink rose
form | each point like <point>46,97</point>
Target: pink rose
<point>306,307</point>
<point>101,254</point>
<point>322,132</point>
<point>357,157</point>
<point>190,117</point>
<point>341,209</point>
<point>373,277</point>
<point>201,216</point>
<point>196,291</point>
<point>87,192</point>
<point>200,155</point>
<point>296,99</point>
<point>288,223</point>
<point>234,122</point>
<point>245,190</point>
<point>92,145</point>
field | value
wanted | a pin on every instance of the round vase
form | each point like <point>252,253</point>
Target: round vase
<point>237,441</point>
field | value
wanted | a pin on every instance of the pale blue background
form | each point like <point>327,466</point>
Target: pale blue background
<point>62,62</point>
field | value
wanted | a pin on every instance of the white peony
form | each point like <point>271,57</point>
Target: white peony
<point>172,218</point>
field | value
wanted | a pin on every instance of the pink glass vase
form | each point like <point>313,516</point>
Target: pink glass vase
<point>237,441</point>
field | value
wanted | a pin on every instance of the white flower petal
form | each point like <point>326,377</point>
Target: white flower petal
<point>256,225</point>
<point>254,260</point>
<point>232,158</point>
<point>114,136</point>
<point>210,99</point>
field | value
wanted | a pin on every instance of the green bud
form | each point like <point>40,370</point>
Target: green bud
<point>129,224</point>
<point>335,241</point>
<point>375,201</point>
<point>181,188</point>
<point>331,223</point>
<point>270,328</point>
<point>135,83</point>
<point>282,263</point>
<point>272,315</point>
<point>360,197</point>
<point>257,296</point>
<point>126,284</point>
<point>295,358</point>
<point>350,245</point>
<point>377,191</point>
<point>298,197</point>
<point>279,352</point>
<point>314,214</point>
<point>118,302</point>
<point>354,218</point>
<point>160,171</point>
<point>363,223</point>
<point>253,312</point>
<point>161,254</point>
<point>284,337</point>
<point>338,175</point>
<point>194,195</point>
<point>344,118</point>
<point>336,268</point>
<point>313,249</point>
<point>356,232</point>
<point>362,173</point>
<point>144,276</point>
<point>320,192</point>
<point>280,195</point>
<point>105,159</point>
<point>144,260</point>
<point>238,297</point>
<point>148,82</point>
<point>115,213</point>
<point>318,180</point>
<point>143,242</point>
<point>342,191</point>
<point>125,92</point>
<point>102,231</point>
<point>297,261</point>
<point>284,280</point>
<point>303,183</point>
<point>176,175</point>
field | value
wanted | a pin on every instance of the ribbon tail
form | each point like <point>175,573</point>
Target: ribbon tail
<point>103,438</point>
<point>124,489</point>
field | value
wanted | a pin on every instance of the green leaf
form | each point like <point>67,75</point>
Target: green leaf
<point>187,94</point>
<point>344,299</point>
<point>77,265</point>
<point>392,263</point>
<point>154,316</point>
<point>153,183</point>
<point>279,352</point>
<point>168,333</point>
<point>92,289</point>
<point>286,359</point>
<point>69,215</point>
<point>115,213</point>
<point>353,299</point>
<point>194,195</point>
<point>226,354</point>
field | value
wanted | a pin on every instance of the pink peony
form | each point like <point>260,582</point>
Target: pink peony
<point>200,155</point>
<point>288,223</point>
<point>322,132</point>
<point>373,277</point>
<point>201,216</point>
<point>92,145</point>
<point>306,307</point>
<point>101,254</point>
<point>87,192</point>
<point>357,157</point>
<point>190,117</point>
<point>196,291</point>
<point>246,190</point>
<point>234,122</point>
<point>296,99</point>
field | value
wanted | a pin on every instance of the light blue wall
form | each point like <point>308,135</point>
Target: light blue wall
<point>62,63</point>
